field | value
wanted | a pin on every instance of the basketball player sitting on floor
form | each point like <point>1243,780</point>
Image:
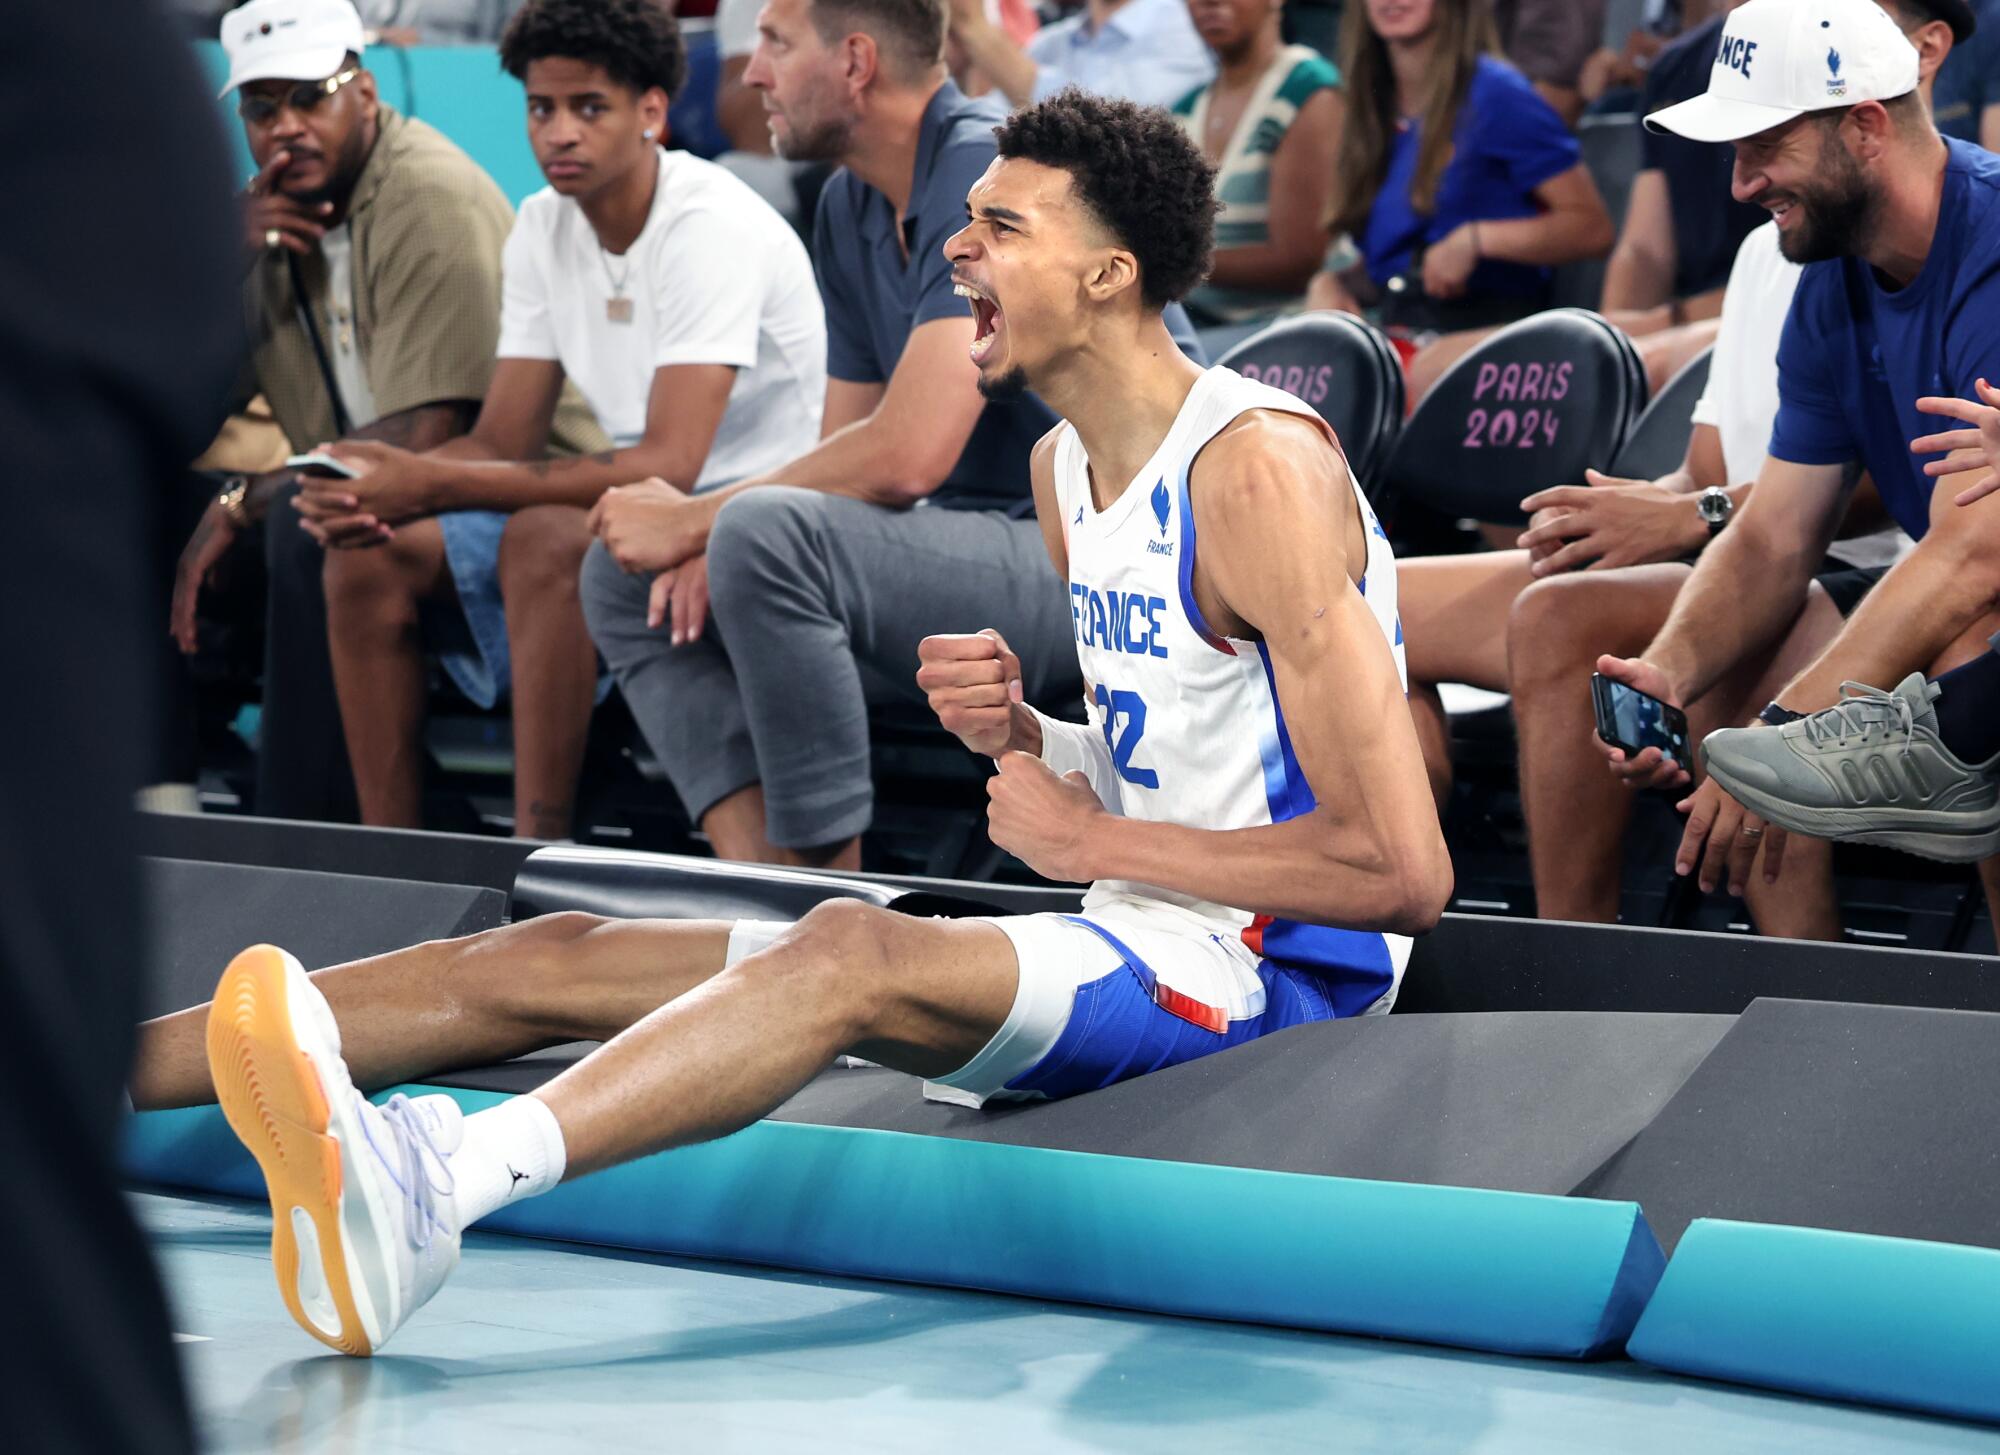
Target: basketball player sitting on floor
<point>1221,562</point>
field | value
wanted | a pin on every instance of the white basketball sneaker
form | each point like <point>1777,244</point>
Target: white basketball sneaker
<point>363,1224</point>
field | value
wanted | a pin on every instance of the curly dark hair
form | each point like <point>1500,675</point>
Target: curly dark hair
<point>1137,171</point>
<point>637,42</point>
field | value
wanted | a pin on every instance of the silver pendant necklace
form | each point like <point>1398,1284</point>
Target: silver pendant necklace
<point>617,308</point>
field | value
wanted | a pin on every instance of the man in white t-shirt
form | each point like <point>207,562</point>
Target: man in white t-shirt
<point>686,312</point>
<point>1602,563</point>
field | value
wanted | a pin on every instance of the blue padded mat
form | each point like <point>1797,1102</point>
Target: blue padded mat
<point>551,1348</point>
<point>1510,1272</point>
<point>1847,1315</point>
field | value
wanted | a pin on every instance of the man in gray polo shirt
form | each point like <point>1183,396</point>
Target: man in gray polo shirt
<point>911,517</point>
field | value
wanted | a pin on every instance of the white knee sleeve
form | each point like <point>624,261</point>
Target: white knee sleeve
<point>748,936</point>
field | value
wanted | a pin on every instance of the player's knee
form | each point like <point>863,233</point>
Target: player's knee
<point>843,948</point>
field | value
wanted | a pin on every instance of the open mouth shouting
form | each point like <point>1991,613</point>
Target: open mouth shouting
<point>986,316</point>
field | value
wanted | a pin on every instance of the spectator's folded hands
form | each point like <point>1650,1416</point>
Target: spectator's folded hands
<point>1609,523</point>
<point>1649,768</point>
<point>650,526</point>
<point>333,517</point>
<point>1971,447</point>
<point>1724,836</point>
<point>394,484</point>
<point>679,600</point>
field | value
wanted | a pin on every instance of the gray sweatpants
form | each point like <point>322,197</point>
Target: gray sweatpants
<point>817,603</point>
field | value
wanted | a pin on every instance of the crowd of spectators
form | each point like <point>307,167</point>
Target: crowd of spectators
<point>708,430</point>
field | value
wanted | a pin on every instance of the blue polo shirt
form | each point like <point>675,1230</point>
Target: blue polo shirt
<point>876,294</point>
<point>1508,141</point>
<point>1855,356</point>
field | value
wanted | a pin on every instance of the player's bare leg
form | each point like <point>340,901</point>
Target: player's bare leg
<point>368,1203</point>
<point>467,1002</point>
<point>920,995</point>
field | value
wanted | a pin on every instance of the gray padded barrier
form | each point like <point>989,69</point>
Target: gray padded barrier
<point>1859,1118</point>
<point>1480,963</point>
<point>1521,1103</point>
<point>283,843</point>
<point>199,915</point>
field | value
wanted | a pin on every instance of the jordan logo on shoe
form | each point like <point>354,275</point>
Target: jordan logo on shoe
<point>516,1176</point>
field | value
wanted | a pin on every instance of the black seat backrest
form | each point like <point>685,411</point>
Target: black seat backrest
<point>1346,370</point>
<point>1532,406</point>
<point>1658,442</point>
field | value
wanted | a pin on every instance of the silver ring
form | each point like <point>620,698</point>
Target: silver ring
<point>1750,833</point>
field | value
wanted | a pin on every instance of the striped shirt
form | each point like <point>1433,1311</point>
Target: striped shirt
<point>1243,180</point>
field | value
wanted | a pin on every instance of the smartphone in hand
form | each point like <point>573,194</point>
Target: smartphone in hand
<point>321,464</point>
<point>1633,721</point>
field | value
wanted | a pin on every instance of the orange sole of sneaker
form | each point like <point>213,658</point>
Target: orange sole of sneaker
<point>275,1105</point>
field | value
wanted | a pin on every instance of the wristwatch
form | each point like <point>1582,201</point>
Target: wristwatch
<point>1714,506</point>
<point>234,491</point>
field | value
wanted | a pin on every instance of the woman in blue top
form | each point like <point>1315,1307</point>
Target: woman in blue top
<point>1453,175</point>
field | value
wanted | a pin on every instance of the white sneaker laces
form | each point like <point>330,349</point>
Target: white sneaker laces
<point>1860,711</point>
<point>412,1134</point>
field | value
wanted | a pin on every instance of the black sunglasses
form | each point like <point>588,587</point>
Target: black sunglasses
<point>262,110</point>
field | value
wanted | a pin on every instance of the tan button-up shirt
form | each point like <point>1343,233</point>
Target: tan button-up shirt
<point>427,226</point>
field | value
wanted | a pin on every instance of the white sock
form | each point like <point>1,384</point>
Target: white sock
<point>511,1151</point>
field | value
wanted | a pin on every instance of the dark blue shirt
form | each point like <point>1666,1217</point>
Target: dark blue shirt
<point>1709,224</point>
<point>1508,142</point>
<point>876,294</point>
<point>1969,80</point>
<point>1856,357</point>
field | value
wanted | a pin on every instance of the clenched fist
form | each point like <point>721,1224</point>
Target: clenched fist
<point>974,686</point>
<point>1046,822</point>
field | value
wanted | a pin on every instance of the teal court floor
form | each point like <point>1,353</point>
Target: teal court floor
<point>546,1347</point>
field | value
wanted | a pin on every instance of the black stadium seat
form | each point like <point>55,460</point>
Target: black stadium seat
<point>1346,370</point>
<point>1658,442</point>
<point>1533,406</point>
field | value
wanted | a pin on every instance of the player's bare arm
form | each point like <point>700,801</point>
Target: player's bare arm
<point>1282,542</point>
<point>973,681</point>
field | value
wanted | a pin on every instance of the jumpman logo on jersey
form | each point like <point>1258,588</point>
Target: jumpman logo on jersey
<point>1079,516</point>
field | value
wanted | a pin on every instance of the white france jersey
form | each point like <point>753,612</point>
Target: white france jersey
<point>1196,732</point>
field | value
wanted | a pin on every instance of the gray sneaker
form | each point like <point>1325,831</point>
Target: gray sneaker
<point>1869,770</point>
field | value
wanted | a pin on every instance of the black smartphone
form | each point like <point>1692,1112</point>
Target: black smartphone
<point>1633,721</point>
